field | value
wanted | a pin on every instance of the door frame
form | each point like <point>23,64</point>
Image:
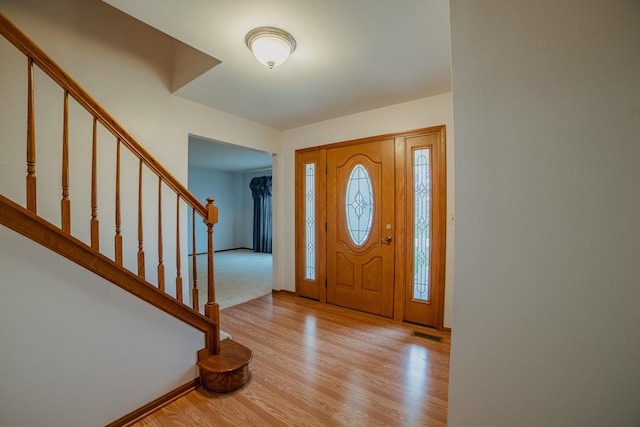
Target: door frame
<point>317,154</point>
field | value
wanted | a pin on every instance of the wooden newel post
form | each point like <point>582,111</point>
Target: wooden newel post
<point>211,308</point>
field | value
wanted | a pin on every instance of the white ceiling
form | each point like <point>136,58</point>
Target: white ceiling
<point>351,56</point>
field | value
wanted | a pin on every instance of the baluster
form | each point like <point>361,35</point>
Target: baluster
<point>141,269</point>
<point>118,236</point>
<point>178,276</point>
<point>65,205</point>
<point>211,309</point>
<point>160,264</point>
<point>95,225</point>
<point>31,142</point>
<point>194,292</point>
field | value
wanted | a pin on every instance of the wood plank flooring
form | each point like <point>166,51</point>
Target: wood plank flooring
<point>322,365</point>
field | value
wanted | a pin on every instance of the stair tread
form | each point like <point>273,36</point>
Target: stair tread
<point>233,356</point>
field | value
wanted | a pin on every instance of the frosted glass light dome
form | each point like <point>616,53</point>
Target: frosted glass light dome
<point>271,46</point>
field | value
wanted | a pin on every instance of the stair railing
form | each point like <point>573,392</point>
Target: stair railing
<point>174,305</point>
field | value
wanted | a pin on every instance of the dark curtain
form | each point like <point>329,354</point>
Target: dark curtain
<point>261,190</point>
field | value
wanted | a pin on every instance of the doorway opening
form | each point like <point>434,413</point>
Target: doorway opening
<point>229,174</point>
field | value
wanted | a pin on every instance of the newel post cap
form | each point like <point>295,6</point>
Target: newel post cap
<point>212,212</point>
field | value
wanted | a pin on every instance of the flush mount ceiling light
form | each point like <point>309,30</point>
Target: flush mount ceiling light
<point>270,45</point>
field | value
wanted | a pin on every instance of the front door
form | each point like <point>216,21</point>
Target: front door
<point>361,226</point>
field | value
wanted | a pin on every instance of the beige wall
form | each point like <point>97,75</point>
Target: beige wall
<point>547,116</point>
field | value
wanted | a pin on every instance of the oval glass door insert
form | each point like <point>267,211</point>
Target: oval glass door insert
<point>359,205</point>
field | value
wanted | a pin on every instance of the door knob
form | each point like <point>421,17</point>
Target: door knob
<point>387,240</point>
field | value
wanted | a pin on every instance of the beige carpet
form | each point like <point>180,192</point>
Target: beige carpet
<point>240,275</point>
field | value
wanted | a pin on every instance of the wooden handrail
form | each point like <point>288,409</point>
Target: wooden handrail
<point>55,72</point>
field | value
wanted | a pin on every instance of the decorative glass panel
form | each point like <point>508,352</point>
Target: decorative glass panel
<point>422,223</point>
<point>359,205</point>
<point>310,221</point>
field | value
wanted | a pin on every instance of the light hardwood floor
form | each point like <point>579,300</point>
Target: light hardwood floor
<point>321,365</point>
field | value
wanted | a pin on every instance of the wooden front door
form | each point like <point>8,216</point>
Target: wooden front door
<point>361,226</point>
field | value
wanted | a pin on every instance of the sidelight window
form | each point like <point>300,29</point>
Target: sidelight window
<point>310,221</point>
<point>422,223</point>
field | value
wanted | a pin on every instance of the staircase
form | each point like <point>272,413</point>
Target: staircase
<point>223,365</point>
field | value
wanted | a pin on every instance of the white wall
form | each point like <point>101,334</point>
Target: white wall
<point>547,118</point>
<point>77,350</point>
<point>422,113</point>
